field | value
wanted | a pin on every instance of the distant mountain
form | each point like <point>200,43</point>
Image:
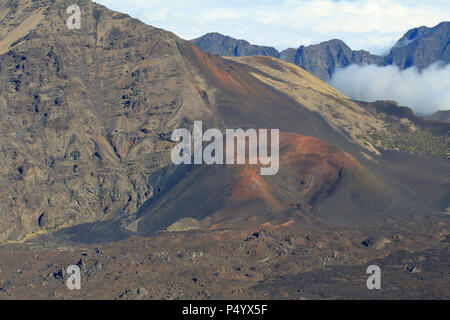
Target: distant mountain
<point>419,47</point>
<point>441,115</point>
<point>320,60</point>
<point>221,45</point>
<point>288,54</point>
<point>323,59</point>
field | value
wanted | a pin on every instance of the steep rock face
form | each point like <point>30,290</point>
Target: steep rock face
<point>83,113</point>
<point>288,55</point>
<point>219,44</point>
<point>323,59</point>
<point>421,47</point>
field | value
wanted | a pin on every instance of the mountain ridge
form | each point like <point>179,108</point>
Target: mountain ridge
<point>227,46</point>
<point>440,115</point>
<point>418,47</point>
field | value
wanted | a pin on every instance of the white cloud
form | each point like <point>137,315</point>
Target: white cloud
<point>363,24</point>
<point>424,92</point>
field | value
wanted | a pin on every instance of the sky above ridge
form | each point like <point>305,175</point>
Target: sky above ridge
<point>373,25</point>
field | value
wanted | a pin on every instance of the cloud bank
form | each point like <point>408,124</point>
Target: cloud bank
<point>363,24</point>
<point>425,92</point>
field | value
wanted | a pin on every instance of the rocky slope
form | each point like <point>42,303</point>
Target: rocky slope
<point>86,115</point>
<point>83,113</point>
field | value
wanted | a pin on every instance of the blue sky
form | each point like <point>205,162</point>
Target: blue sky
<point>371,24</point>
